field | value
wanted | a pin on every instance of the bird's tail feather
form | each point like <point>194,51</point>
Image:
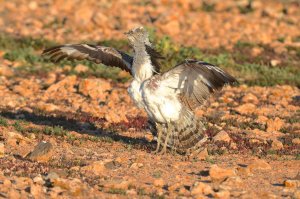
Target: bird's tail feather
<point>187,135</point>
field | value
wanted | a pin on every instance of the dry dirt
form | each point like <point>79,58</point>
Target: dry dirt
<point>66,136</point>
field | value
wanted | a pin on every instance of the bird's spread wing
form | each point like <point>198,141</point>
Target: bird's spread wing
<point>98,54</point>
<point>194,80</point>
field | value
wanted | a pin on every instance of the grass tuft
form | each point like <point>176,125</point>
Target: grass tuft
<point>3,122</point>
<point>55,130</point>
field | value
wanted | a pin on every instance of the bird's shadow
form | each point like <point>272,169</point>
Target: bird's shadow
<point>85,124</point>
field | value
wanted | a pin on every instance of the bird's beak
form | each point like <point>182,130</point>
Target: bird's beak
<point>126,33</point>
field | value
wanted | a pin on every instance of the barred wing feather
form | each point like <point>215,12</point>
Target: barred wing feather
<point>194,80</point>
<point>98,54</point>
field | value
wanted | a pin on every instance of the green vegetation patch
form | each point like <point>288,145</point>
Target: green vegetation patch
<point>251,70</point>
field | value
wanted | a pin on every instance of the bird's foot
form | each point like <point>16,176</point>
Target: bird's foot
<point>163,151</point>
<point>157,148</point>
<point>159,134</point>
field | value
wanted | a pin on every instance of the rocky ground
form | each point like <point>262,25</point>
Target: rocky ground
<point>64,134</point>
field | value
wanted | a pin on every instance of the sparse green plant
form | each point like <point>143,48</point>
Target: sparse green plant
<point>3,122</point>
<point>141,192</point>
<point>249,70</point>
<point>246,9</point>
<point>271,152</point>
<point>154,195</point>
<point>117,191</point>
<point>208,7</point>
<point>210,160</point>
<point>156,174</point>
<point>33,130</point>
<point>56,130</point>
<point>71,138</point>
<point>18,126</point>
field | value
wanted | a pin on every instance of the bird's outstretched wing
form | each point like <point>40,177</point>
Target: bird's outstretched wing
<point>98,54</point>
<point>194,80</point>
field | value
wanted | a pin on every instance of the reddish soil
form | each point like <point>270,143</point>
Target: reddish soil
<point>65,136</point>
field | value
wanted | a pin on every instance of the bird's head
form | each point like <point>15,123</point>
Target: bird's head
<point>138,36</point>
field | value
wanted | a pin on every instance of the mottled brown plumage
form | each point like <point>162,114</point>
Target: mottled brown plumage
<point>168,98</point>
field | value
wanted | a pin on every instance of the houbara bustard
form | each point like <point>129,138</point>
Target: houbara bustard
<point>169,98</point>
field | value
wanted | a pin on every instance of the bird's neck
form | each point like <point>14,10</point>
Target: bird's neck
<point>142,66</point>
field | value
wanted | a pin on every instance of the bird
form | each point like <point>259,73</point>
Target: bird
<point>169,98</point>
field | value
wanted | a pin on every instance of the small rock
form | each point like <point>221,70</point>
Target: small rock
<point>201,188</point>
<point>244,171</point>
<point>277,145</point>
<point>223,194</point>
<point>280,50</point>
<point>262,119</point>
<point>131,192</point>
<point>81,68</point>
<point>256,51</point>
<point>267,194</point>
<point>222,136</point>
<point>172,27</point>
<point>65,85</point>
<point>6,183</point>
<point>37,191</point>
<point>2,150</point>
<point>149,137</point>
<point>295,141</point>
<point>95,88</point>
<point>246,109</point>
<point>296,194</point>
<point>250,98</point>
<point>6,71</point>
<point>51,176</point>
<point>259,164</point>
<point>96,168</point>
<point>112,165</point>
<point>203,154</point>
<point>159,182</point>
<point>274,125</point>
<point>33,5</point>
<point>14,194</point>
<point>56,192</point>
<point>75,168</point>
<point>38,180</point>
<point>275,62</point>
<point>136,165</point>
<point>174,186</point>
<point>292,183</point>
<point>218,174</point>
<point>22,183</point>
<point>14,135</point>
<point>118,184</point>
<point>47,107</point>
<point>234,182</point>
<point>297,177</point>
<point>74,186</point>
<point>51,78</point>
<point>83,16</point>
<point>183,191</point>
<point>42,152</point>
<point>26,88</point>
<point>233,145</point>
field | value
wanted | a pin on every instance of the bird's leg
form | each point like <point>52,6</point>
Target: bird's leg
<point>175,142</point>
<point>164,150</point>
<point>159,133</point>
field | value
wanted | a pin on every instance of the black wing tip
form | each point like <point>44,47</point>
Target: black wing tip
<point>51,49</point>
<point>228,79</point>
